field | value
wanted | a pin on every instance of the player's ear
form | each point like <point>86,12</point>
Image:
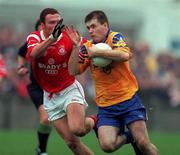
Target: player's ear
<point>105,24</point>
<point>42,25</point>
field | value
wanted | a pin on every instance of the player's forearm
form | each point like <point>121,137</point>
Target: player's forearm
<point>73,64</point>
<point>116,54</point>
<point>21,68</point>
<point>40,49</point>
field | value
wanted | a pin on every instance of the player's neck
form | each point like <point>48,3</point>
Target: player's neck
<point>45,34</point>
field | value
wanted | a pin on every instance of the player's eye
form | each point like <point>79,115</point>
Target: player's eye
<point>88,27</point>
<point>93,26</point>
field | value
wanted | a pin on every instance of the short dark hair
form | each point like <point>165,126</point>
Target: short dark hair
<point>37,24</point>
<point>45,12</point>
<point>97,14</point>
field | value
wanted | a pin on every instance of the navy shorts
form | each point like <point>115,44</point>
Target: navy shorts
<point>122,114</point>
<point>36,94</point>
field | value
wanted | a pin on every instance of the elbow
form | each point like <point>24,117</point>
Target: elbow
<point>125,57</point>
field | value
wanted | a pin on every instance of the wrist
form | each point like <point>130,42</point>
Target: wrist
<point>77,44</point>
<point>51,37</point>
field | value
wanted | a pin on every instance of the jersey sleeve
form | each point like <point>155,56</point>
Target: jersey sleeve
<point>32,40</point>
<point>118,42</point>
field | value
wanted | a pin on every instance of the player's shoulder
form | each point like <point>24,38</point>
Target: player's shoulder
<point>117,39</point>
<point>116,35</point>
<point>34,35</point>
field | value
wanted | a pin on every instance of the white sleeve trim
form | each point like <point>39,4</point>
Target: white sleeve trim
<point>34,36</point>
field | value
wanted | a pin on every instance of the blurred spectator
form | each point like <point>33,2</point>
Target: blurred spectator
<point>145,66</point>
<point>170,76</point>
<point>8,48</point>
<point>174,90</point>
<point>3,70</point>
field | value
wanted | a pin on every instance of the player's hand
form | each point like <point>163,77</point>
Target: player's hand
<point>57,30</point>
<point>73,34</point>
<point>83,54</point>
<point>22,70</point>
<point>92,50</point>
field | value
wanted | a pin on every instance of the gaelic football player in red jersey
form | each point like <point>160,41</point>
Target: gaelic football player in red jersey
<point>49,51</point>
<point>116,87</point>
<point>36,95</point>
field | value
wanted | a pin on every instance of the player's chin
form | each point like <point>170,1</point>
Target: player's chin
<point>95,39</point>
<point>92,37</point>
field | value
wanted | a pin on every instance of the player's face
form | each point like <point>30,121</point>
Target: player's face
<point>97,31</point>
<point>50,22</point>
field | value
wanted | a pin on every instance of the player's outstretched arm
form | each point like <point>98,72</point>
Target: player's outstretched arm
<point>75,38</point>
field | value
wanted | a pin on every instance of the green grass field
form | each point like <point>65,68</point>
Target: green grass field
<point>24,142</point>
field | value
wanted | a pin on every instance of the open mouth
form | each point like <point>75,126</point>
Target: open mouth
<point>92,36</point>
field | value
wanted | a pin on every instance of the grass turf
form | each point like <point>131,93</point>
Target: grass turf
<point>24,143</point>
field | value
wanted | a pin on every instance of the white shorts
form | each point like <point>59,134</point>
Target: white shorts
<point>56,105</point>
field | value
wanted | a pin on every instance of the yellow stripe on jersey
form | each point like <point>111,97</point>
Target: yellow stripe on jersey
<point>118,83</point>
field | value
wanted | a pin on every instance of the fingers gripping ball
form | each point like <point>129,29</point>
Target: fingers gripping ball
<point>99,61</point>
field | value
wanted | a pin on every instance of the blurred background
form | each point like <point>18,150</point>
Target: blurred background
<point>152,30</point>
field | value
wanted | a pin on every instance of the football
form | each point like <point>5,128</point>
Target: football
<point>99,61</point>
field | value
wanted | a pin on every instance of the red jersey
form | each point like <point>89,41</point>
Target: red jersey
<point>51,70</point>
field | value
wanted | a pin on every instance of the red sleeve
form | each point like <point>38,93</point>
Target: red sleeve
<point>32,40</point>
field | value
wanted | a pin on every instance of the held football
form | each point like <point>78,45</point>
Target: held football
<point>99,61</point>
